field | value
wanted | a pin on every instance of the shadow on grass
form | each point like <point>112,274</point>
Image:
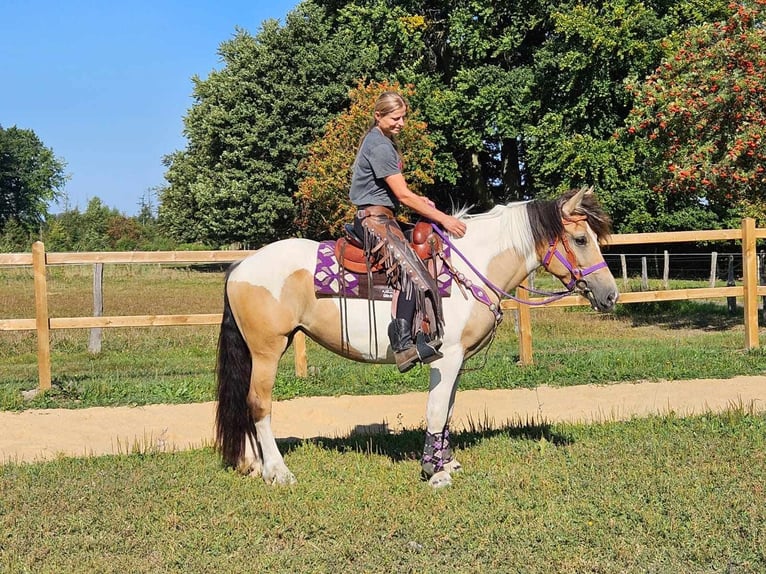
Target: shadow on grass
<point>705,316</point>
<point>408,444</point>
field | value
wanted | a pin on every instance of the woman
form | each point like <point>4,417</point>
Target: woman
<point>377,189</point>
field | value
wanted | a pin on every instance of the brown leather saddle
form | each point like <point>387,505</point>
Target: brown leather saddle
<point>349,250</point>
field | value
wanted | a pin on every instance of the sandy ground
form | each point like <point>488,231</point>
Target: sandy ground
<point>44,434</point>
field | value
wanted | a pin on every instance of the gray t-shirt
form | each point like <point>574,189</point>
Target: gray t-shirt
<point>376,159</point>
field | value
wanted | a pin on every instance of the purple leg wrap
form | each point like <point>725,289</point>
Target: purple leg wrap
<point>436,453</point>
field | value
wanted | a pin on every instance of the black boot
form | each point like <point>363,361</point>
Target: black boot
<point>405,351</point>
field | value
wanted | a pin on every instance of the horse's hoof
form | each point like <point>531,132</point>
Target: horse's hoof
<point>280,476</point>
<point>440,479</point>
<point>453,466</point>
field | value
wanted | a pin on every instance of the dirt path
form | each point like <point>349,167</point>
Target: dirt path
<point>44,434</point>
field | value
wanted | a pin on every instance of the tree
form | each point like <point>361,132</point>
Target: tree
<point>30,177</point>
<point>250,125</point>
<point>523,98</point>
<point>700,120</point>
<point>322,194</point>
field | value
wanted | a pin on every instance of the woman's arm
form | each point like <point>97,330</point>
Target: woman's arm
<point>423,206</point>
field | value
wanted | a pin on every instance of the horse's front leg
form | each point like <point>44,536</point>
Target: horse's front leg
<point>438,462</point>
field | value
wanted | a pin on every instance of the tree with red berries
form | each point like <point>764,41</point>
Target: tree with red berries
<point>700,118</point>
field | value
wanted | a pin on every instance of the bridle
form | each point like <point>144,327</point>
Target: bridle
<point>577,281</point>
<point>569,261</point>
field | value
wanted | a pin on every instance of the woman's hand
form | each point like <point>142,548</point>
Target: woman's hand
<point>424,206</point>
<point>453,225</point>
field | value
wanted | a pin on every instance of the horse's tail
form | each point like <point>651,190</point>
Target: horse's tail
<point>233,419</point>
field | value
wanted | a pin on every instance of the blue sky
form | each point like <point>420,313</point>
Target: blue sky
<point>106,85</point>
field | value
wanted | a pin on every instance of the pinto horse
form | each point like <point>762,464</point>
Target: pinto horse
<point>270,295</point>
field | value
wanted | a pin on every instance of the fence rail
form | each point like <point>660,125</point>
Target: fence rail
<point>42,323</point>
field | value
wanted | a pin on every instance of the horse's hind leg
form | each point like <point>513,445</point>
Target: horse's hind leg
<point>250,463</point>
<point>274,470</point>
<point>266,325</point>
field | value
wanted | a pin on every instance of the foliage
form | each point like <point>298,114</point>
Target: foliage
<point>322,194</point>
<point>101,228</point>
<point>520,99</point>
<point>700,119</point>
<point>250,125</point>
<point>30,177</point>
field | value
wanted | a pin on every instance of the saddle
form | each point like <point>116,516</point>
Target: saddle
<point>349,250</point>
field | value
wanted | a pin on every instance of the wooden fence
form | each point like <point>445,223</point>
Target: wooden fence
<point>42,323</point>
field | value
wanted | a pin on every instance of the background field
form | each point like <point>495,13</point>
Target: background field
<point>679,340</point>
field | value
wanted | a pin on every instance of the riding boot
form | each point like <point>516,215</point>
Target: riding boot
<point>405,352</point>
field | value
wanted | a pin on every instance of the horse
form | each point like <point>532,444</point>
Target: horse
<point>270,295</point>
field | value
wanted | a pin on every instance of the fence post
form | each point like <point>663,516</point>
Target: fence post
<point>731,301</point>
<point>624,265</point>
<point>713,268</point>
<point>666,270</point>
<point>762,281</point>
<point>750,280</point>
<point>644,275</point>
<point>94,340</point>
<point>525,327</point>
<point>42,323</point>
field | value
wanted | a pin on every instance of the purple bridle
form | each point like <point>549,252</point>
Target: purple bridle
<point>570,262</point>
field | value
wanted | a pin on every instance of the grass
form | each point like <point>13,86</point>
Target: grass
<point>661,494</point>
<point>672,340</point>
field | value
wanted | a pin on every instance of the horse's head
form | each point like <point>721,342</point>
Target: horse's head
<point>573,253</point>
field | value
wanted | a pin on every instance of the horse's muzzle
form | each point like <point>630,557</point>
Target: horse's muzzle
<point>603,303</point>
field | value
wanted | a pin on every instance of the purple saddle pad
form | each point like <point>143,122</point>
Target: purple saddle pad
<point>332,281</point>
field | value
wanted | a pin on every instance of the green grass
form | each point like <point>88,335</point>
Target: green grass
<point>661,494</point>
<point>672,340</point>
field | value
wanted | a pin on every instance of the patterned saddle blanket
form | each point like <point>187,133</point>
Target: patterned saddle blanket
<point>333,280</point>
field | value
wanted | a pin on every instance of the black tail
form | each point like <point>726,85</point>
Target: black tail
<point>233,419</point>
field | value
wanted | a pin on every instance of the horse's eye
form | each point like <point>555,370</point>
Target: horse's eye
<point>581,240</point>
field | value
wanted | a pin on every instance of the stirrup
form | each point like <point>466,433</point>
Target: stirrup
<point>428,351</point>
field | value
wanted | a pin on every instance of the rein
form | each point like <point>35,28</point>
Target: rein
<point>569,262</point>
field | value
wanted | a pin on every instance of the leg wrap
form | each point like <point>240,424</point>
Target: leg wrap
<point>436,453</point>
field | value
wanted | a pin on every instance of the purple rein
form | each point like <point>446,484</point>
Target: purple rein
<point>569,261</point>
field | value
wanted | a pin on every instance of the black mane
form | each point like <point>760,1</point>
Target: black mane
<point>545,217</point>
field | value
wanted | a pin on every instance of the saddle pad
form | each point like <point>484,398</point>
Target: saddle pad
<point>332,281</point>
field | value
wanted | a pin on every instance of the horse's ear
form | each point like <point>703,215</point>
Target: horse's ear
<point>573,204</point>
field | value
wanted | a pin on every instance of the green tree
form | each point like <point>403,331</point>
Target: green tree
<point>523,97</point>
<point>700,120</point>
<point>322,194</point>
<point>250,125</point>
<point>30,178</point>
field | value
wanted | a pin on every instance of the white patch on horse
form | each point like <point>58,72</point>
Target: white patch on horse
<point>274,263</point>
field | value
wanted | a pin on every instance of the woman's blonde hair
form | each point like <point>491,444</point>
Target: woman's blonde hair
<point>387,103</point>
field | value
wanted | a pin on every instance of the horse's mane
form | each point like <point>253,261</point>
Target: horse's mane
<point>544,216</point>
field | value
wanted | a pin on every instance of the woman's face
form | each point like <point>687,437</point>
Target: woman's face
<point>392,123</point>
